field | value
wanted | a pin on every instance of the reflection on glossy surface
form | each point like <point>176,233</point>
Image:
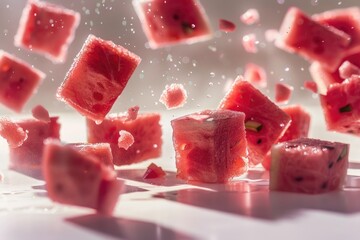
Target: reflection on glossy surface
<point>126,228</point>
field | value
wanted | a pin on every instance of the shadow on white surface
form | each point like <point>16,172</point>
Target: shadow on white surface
<point>122,228</point>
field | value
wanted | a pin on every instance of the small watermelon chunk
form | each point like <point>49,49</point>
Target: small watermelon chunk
<point>255,75</point>
<point>145,129</point>
<point>283,92</point>
<point>78,179</point>
<point>309,166</point>
<point>325,78</point>
<point>173,96</point>
<point>27,158</point>
<point>347,69</point>
<point>172,22</point>
<point>226,25</point>
<point>298,128</point>
<point>311,86</point>
<point>265,122</point>
<point>341,106</point>
<point>40,113</point>
<point>18,81</point>
<point>100,151</point>
<point>126,139</point>
<point>210,146</point>
<point>154,171</point>
<point>12,132</point>
<point>250,17</point>
<point>97,77</point>
<point>47,28</point>
<point>132,113</point>
<point>324,44</point>
<point>249,42</point>
<point>346,20</point>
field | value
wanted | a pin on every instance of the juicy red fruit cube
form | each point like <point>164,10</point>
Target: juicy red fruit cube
<point>18,81</point>
<point>171,22</point>
<point>145,129</point>
<point>154,171</point>
<point>78,179</point>
<point>47,29</point>
<point>282,92</point>
<point>226,26</point>
<point>341,106</point>
<point>12,132</point>
<point>320,43</point>
<point>265,122</point>
<point>97,77</point>
<point>210,146</point>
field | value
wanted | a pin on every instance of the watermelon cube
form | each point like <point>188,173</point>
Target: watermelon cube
<point>172,22</point>
<point>325,78</point>
<point>308,166</point>
<point>283,92</point>
<point>154,171</point>
<point>47,28</point>
<point>324,44</point>
<point>101,151</point>
<point>78,179</point>
<point>298,128</point>
<point>145,129</point>
<point>12,132</point>
<point>18,81</point>
<point>97,77</point>
<point>265,122</point>
<point>346,20</point>
<point>347,69</point>
<point>210,146</point>
<point>341,106</point>
<point>27,158</point>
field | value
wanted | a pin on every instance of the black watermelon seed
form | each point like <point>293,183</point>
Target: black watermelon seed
<point>346,108</point>
<point>331,165</point>
<point>324,185</point>
<point>328,147</point>
<point>259,141</point>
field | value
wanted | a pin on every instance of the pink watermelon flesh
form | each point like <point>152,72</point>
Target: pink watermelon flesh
<point>47,29</point>
<point>269,121</point>
<point>325,78</point>
<point>308,166</point>
<point>100,151</point>
<point>255,75</point>
<point>210,146</point>
<point>18,81</point>
<point>27,158</point>
<point>173,96</point>
<point>12,132</point>
<point>145,129</point>
<point>132,113</point>
<point>40,113</point>
<point>126,139</point>
<point>346,20</point>
<point>77,179</point>
<point>97,77</point>
<point>172,22</point>
<point>347,69</point>
<point>154,171</point>
<point>341,106</point>
<point>226,26</point>
<point>298,128</point>
<point>324,44</point>
<point>282,93</point>
<point>311,86</point>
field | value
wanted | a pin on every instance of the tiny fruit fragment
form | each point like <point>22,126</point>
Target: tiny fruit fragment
<point>12,132</point>
<point>249,43</point>
<point>282,92</point>
<point>154,171</point>
<point>132,113</point>
<point>250,17</point>
<point>226,26</point>
<point>40,113</point>
<point>347,69</point>
<point>173,96</point>
<point>255,75</point>
<point>125,140</point>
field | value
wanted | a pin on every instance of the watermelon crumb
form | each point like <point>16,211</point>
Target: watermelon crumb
<point>250,17</point>
<point>283,93</point>
<point>255,75</point>
<point>311,85</point>
<point>40,113</point>
<point>310,166</point>
<point>132,113</point>
<point>173,96</point>
<point>226,26</point>
<point>249,43</point>
<point>154,171</point>
<point>12,132</point>
<point>126,139</point>
<point>271,35</point>
<point>347,69</point>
